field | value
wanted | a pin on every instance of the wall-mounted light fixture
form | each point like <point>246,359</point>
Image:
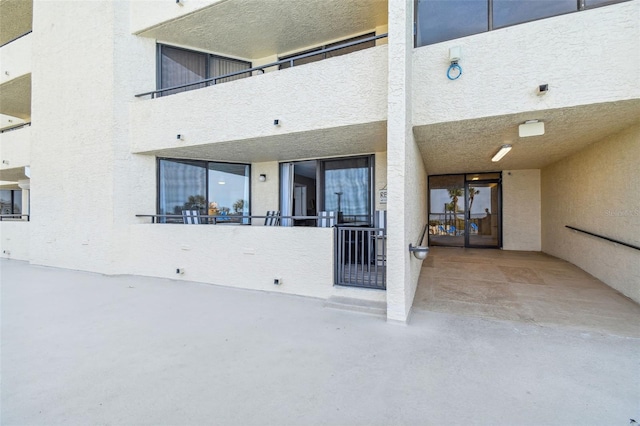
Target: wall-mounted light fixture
<point>179,3</point>
<point>262,178</point>
<point>276,122</point>
<point>5,162</point>
<point>503,151</point>
<point>542,89</point>
<point>419,252</point>
<point>531,128</point>
<point>180,137</point>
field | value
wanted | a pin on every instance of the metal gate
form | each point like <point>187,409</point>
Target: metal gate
<point>361,257</point>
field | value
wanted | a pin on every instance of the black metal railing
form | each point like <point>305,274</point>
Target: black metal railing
<point>204,219</point>
<point>16,127</point>
<point>260,68</point>
<point>361,257</point>
<point>622,243</point>
<point>14,217</point>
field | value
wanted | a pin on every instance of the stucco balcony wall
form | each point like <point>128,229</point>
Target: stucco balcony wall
<point>503,68</point>
<point>237,256</point>
<point>341,91</point>
<point>15,148</point>
<point>15,59</point>
<point>14,239</point>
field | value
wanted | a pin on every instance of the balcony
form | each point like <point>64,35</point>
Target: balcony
<point>333,107</point>
<point>15,77</point>
<point>15,145</point>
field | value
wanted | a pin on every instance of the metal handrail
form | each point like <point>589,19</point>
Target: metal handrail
<point>227,218</point>
<point>16,38</point>
<point>603,237</point>
<point>13,217</point>
<point>262,67</point>
<point>16,127</point>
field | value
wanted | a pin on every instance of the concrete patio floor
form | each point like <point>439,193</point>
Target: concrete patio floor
<point>85,349</point>
<point>530,287</point>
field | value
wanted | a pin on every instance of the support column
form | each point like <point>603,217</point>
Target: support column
<point>406,175</point>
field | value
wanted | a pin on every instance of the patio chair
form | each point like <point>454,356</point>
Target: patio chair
<point>191,217</point>
<point>272,219</point>
<point>474,227</point>
<point>326,219</point>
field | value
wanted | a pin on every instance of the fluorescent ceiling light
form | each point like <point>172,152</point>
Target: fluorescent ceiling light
<point>503,151</point>
<point>531,128</point>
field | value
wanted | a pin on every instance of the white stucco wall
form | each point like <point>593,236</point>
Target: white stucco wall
<point>597,190</point>
<point>237,256</point>
<point>265,195</point>
<point>314,96</point>
<point>15,58</point>
<point>14,239</point>
<point>502,68</point>
<point>521,216</point>
<point>406,175</point>
<point>15,147</point>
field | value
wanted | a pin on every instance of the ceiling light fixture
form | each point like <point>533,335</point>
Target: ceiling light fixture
<point>531,128</point>
<point>503,151</point>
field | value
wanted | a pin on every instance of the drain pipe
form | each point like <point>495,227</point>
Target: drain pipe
<point>420,252</point>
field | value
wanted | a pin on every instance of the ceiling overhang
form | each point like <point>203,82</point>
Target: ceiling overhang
<point>469,145</point>
<point>253,29</point>
<point>15,97</point>
<point>15,19</point>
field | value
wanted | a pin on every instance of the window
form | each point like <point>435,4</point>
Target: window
<point>177,66</point>
<point>441,20</point>
<point>215,189</point>
<point>325,55</point>
<point>10,201</point>
<point>342,185</point>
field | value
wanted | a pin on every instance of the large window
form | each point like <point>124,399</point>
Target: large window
<point>215,189</point>
<point>441,20</point>
<point>177,66</point>
<point>333,53</point>
<point>10,201</point>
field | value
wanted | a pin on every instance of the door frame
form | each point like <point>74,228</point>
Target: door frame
<point>467,212</point>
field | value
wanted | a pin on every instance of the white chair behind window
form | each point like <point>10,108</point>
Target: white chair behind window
<point>272,219</point>
<point>191,217</point>
<point>326,219</point>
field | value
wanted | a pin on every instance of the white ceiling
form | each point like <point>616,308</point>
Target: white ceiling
<point>259,28</point>
<point>467,146</point>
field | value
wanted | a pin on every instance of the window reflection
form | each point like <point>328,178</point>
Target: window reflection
<point>510,12</point>
<point>445,20</point>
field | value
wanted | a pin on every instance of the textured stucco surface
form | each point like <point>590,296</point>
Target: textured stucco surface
<point>597,190</point>
<point>306,98</point>
<point>521,216</point>
<point>15,18</point>
<point>15,97</point>
<point>14,239</point>
<point>577,54</point>
<point>15,59</point>
<point>15,147</point>
<point>406,175</point>
<point>237,256</point>
<point>149,13</point>
<point>230,27</point>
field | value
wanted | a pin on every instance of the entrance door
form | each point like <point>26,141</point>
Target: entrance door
<point>464,210</point>
<point>483,213</point>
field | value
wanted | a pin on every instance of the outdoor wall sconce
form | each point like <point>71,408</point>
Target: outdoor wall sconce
<point>419,252</point>
<point>179,3</point>
<point>262,178</point>
<point>542,89</point>
<point>276,122</point>
<point>180,137</point>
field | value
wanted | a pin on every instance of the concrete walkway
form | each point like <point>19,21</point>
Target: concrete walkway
<point>529,287</point>
<point>86,349</point>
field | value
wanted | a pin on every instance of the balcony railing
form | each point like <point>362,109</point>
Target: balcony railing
<point>261,68</point>
<point>16,127</point>
<point>14,217</point>
<point>16,38</point>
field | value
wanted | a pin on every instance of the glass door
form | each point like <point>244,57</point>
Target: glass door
<point>447,206</point>
<point>483,214</point>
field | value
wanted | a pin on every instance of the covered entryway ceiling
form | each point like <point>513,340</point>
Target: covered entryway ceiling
<point>467,146</point>
<point>15,19</point>
<point>259,28</point>
<point>331,142</point>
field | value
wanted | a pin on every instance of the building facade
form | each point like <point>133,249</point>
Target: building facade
<point>115,123</point>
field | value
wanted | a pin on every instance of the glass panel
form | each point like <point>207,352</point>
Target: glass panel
<point>304,192</point>
<point>440,20</point>
<point>483,176</point>
<point>446,210</point>
<point>182,187</point>
<point>347,190</point>
<point>179,66</point>
<point>5,202</point>
<point>229,192</point>
<point>221,66</point>
<point>595,3</point>
<point>484,215</point>
<point>17,202</point>
<point>509,12</point>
